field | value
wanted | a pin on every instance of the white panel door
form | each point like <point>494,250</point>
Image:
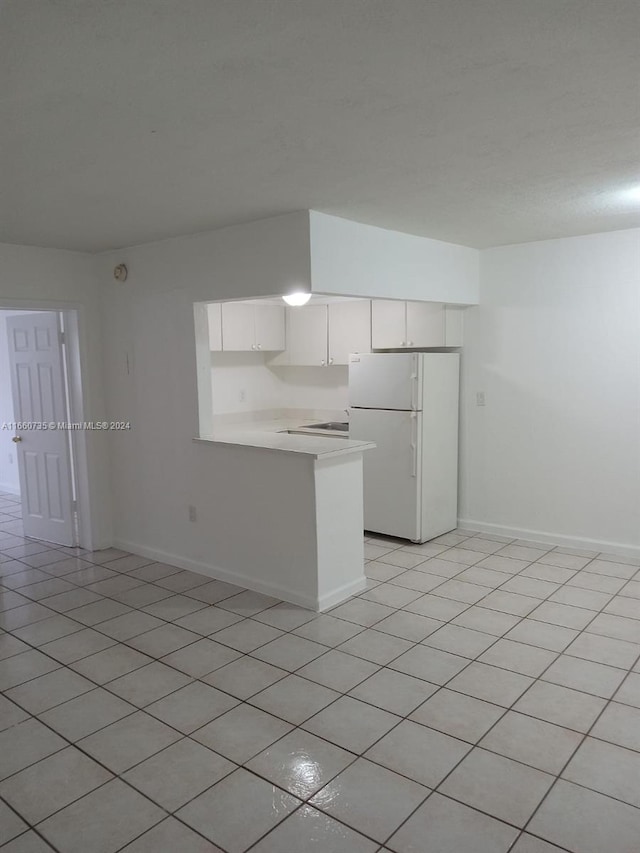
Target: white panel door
<point>425,324</point>
<point>388,324</point>
<point>391,470</point>
<point>269,326</point>
<point>349,329</point>
<point>238,329</point>
<point>385,381</point>
<point>307,345</point>
<point>37,383</point>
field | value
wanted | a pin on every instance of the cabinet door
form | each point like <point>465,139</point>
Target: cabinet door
<point>425,324</point>
<point>269,326</point>
<point>388,324</point>
<point>349,329</point>
<point>238,330</point>
<point>214,316</point>
<point>307,343</point>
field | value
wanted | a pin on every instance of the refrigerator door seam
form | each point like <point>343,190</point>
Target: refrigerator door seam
<point>380,409</point>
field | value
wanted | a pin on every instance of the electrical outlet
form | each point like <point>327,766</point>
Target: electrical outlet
<point>480,401</point>
<point>193,513</point>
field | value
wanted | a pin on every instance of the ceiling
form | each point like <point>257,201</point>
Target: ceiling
<point>479,122</point>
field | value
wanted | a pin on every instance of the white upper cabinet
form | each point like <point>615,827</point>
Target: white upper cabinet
<point>238,327</point>
<point>307,336</point>
<point>214,316</point>
<point>388,324</point>
<point>321,335</point>
<point>425,324</point>
<point>247,327</point>
<point>349,329</point>
<point>269,325</point>
<point>414,325</point>
<point>324,335</point>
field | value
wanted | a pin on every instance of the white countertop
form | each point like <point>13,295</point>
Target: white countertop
<point>272,435</point>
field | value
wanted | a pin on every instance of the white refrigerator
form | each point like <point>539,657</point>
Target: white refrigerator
<point>407,403</point>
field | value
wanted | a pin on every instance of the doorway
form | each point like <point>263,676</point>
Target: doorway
<point>41,408</point>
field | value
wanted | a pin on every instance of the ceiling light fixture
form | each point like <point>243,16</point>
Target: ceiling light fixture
<point>297,299</point>
<point>631,195</point>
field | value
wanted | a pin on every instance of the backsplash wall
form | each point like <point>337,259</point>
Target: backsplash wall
<point>233,373</point>
<point>313,387</point>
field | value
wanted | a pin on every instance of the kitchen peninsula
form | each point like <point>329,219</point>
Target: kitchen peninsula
<point>304,507</point>
<point>282,513</point>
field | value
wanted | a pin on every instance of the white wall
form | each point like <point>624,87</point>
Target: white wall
<point>314,387</point>
<point>35,278</point>
<point>236,373</point>
<point>352,259</point>
<point>263,258</point>
<point>157,470</point>
<point>267,387</point>
<point>9,480</point>
<point>555,346</point>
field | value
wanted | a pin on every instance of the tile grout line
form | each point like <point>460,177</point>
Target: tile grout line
<point>124,642</point>
<point>564,767</point>
<point>477,746</point>
<point>363,628</point>
<point>472,746</point>
<point>506,710</point>
<point>293,671</point>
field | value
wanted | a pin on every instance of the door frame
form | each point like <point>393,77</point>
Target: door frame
<point>74,355</point>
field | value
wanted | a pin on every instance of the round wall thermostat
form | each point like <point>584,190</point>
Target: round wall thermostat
<point>120,272</point>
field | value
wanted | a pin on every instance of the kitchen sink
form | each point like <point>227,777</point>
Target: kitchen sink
<point>340,430</point>
<point>331,425</point>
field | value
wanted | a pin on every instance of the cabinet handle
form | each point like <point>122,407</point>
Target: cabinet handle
<point>253,346</point>
<point>258,346</point>
<point>330,361</point>
<point>403,344</point>
<point>409,343</point>
<point>322,362</point>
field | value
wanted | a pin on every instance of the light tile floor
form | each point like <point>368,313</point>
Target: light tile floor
<point>481,696</point>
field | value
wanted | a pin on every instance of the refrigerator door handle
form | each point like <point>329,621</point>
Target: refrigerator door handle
<point>414,382</point>
<point>414,391</point>
<point>414,444</point>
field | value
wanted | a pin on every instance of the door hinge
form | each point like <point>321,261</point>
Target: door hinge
<point>61,337</point>
<point>74,506</point>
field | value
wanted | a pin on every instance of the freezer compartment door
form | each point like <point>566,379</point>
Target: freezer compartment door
<point>385,381</point>
<point>392,472</point>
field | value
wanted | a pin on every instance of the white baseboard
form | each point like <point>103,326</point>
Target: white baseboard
<point>342,593</point>
<point>238,578</point>
<point>10,488</point>
<point>621,548</point>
